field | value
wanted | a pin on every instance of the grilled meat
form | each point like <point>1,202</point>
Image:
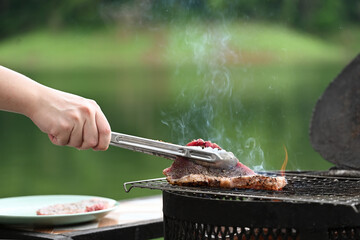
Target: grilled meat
<point>84,206</point>
<point>187,173</point>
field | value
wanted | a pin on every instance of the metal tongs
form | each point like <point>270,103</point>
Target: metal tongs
<point>172,151</point>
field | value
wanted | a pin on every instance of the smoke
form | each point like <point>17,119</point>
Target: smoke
<point>206,106</point>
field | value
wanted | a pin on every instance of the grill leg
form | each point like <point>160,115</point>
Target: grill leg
<point>314,234</point>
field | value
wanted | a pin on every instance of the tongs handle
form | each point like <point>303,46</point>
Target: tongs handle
<point>162,149</point>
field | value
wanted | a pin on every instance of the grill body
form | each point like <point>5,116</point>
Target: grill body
<point>189,217</point>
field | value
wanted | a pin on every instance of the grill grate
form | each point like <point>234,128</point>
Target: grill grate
<point>300,188</point>
<point>182,229</point>
<point>348,233</point>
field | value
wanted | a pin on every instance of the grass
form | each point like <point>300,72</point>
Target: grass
<point>172,44</point>
<point>250,87</point>
<point>52,50</point>
<point>252,43</point>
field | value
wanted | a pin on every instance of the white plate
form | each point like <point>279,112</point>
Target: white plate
<point>22,210</point>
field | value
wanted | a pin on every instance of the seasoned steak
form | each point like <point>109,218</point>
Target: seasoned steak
<point>187,173</point>
<point>84,206</point>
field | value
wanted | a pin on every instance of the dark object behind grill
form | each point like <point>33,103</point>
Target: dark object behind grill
<point>335,124</point>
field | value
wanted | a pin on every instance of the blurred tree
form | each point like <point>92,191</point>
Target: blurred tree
<point>289,11</point>
<point>320,15</point>
<point>17,16</point>
<point>352,10</point>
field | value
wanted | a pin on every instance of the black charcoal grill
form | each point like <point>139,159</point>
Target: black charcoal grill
<point>313,205</point>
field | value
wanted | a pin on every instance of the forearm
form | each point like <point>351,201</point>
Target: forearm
<point>18,93</point>
<point>68,119</point>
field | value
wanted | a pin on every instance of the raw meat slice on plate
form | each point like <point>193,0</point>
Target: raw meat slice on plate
<point>83,206</point>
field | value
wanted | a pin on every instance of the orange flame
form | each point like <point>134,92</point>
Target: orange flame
<point>283,167</point>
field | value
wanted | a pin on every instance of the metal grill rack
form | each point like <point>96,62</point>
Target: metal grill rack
<point>300,188</point>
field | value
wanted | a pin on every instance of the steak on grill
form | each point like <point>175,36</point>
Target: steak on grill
<point>187,173</point>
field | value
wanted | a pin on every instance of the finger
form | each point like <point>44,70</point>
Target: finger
<point>52,139</point>
<point>90,134</point>
<point>104,131</point>
<point>61,136</point>
<point>76,135</point>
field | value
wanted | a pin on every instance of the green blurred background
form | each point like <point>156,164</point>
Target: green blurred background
<point>244,74</point>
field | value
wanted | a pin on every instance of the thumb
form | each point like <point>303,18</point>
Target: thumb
<point>53,139</point>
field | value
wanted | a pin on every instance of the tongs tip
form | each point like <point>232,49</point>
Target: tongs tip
<point>213,158</point>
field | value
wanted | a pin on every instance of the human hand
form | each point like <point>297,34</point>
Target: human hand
<point>70,120</point>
